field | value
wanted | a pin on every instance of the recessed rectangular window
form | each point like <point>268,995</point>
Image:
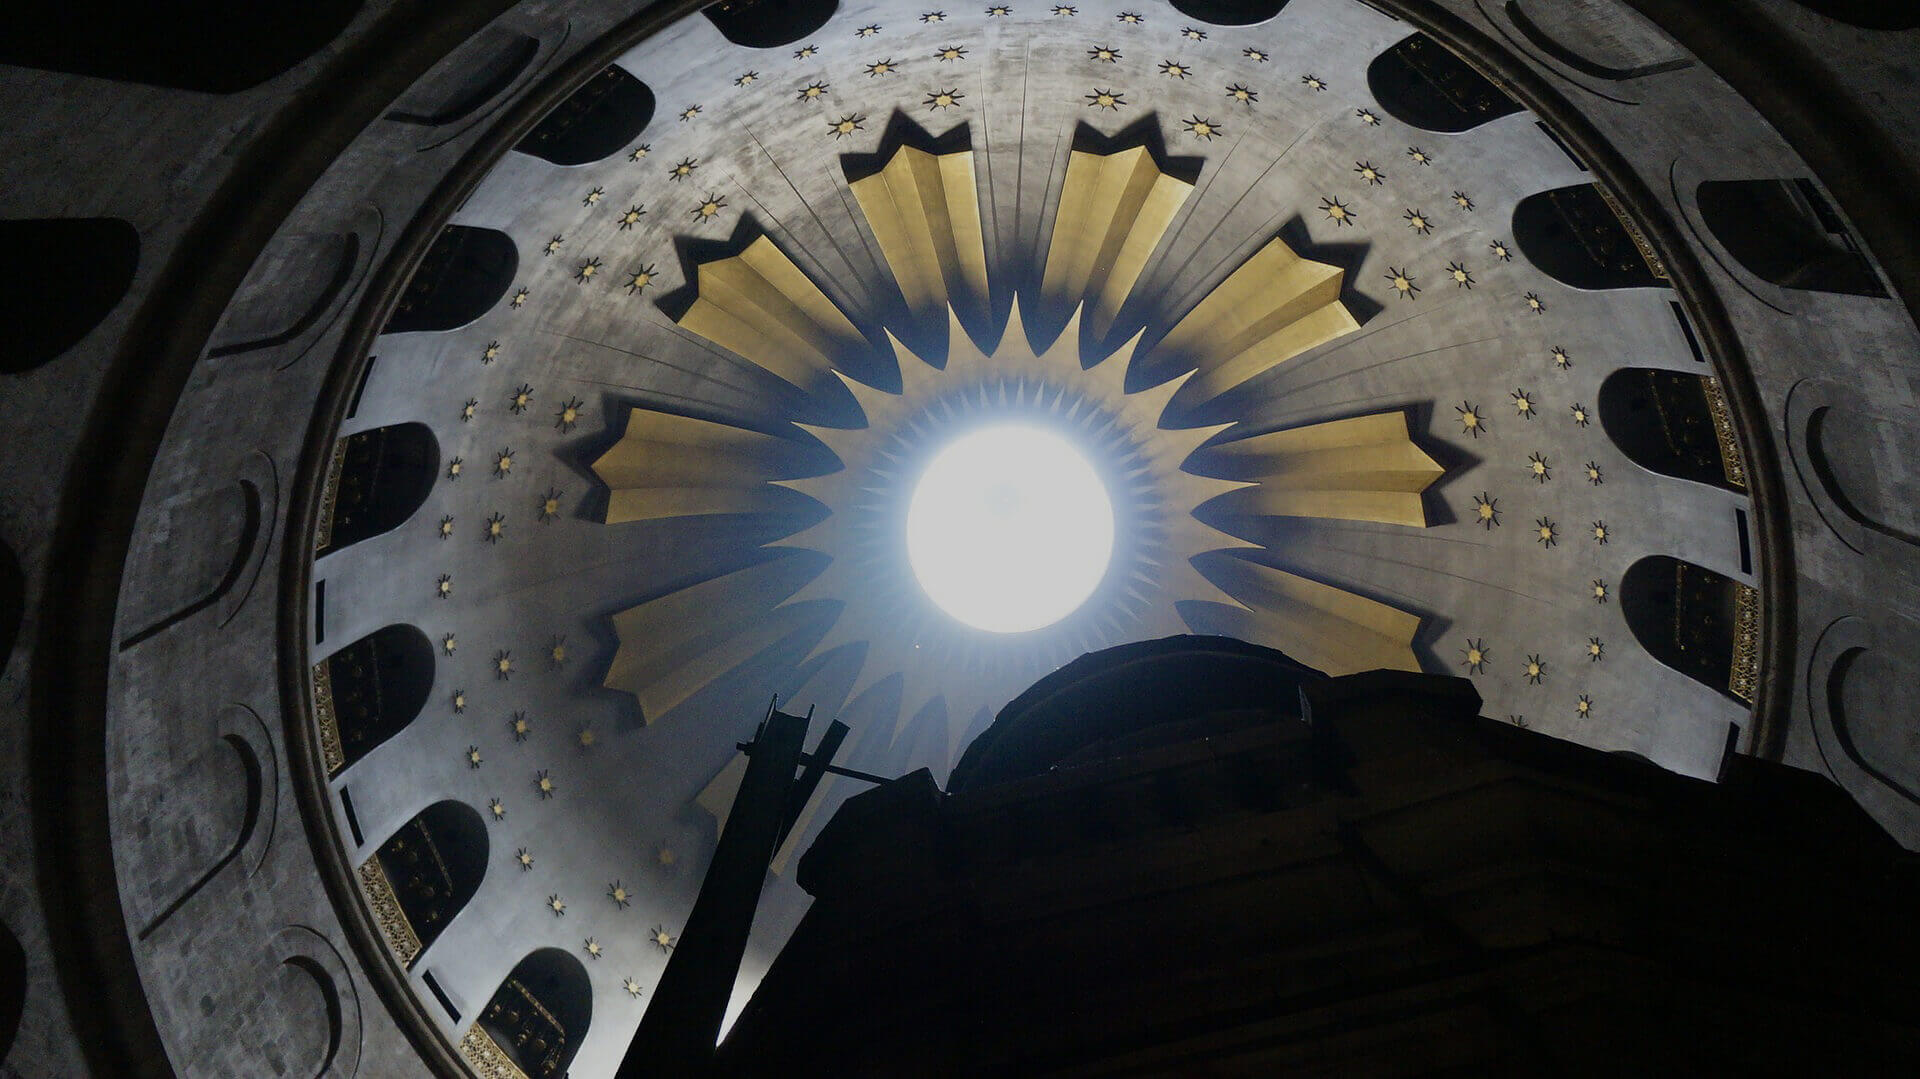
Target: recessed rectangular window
<point>439,994</point>
<point>1686,330</point>
<point>353,822</point>
<point>359,391</point>
<point>319,611</point>
<point>1746,545</point>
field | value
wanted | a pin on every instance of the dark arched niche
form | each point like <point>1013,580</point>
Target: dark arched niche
<point>769,24</point>
<point>539,1015</point>
<point>1664,422</point>
<point>215,46</point>
<point>1574,236</point>
<point>594,122</point>
<point>1698,622</point>
<point>1786,233</point>
<point>1867,14</point>
<point>376,686</point>
<point>1229,12</point>
<point>384,476</point>
<point>1420,82</point>
<point>62,276</point>
<point>13,988</point>
<point>13,602</point>
<point>434,864</point>
<point>465,273</point>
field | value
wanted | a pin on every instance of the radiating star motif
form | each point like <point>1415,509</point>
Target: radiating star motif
<point>1402,282</point>
<point>689,113</point>
<point>1535,303</point>
<point>1367,117</point>
<point>640,279</point>
<point>491,353</point>
<point>805,52</point>
<point>455,467</point>
<point>747,78</point>
<point>709,207</point>
<point>549,508</point>
<point>1500,251</point>
<point>1192,33</point>
<point>1418,222</point>
<point>1131,18</point>
<point>1584,706</point>
<point>543,784</point>
<point>1370,174</point>
<point>1175,70</point>
<point>520,399</point>
<point>449,644</point>
<point>497,808</point>
<point>459,701</point>
<point>525,858</point>
<point>569,414</point>
<point>661,938</point>
<point>868,30</point>
<point>503,463</point>
<point>1486,510</point>
<point>520,298</point>
<point>1522,403</point>
<point>1462,277</point>
<point>1311,82</point>
<point>591,947</point>
<point>951,52</point>
<point>999,11</point>
<point>1580,417</point>
<point>1600,532</point>
<point>557,647</point>
<point>1203,128</point>
<point>1475,655</point>
<point>557,905</point>
<point>1103,53</point>
<point>467,410</point>
<point>640,151</point>
<point>847,125</point>
<point>881,67</point>
<point>622,899</point>
<point>812,91</point>
<point>552,246</point>
<point>1599,591</point>
<point>1595,650</point>
<point>1420,157</point>
<point>943,99</point>
<point>1471,421</point>
<point>473,757</point>
<point>446,526</point>
<point>1536,669</point>
<point>444,586</point>
<point>632,987</point>
<point>585,737</point>
<point>1242,95</point>
<point>1336,211</point>
<point>631,217</point>
<point>1065,10</point>
<point>1258,56</point>
<point>1538,468</point>
<point>503,665</point>
<point>1461,200</point>
<point>1547,532</point>
<point>683,170</point>
<point>934,16</point>
<point>1560,358</point>
<point>520,727</point>
<point>593,196</point>
<point>1106,99</point>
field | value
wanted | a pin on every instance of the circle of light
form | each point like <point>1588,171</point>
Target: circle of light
<point>1009,529</point>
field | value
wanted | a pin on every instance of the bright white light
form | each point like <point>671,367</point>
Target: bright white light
<point>1010,529</point>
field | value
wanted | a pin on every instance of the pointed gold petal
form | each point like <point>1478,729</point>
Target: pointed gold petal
<point>1366,468</point>
<point>924,210</point>
<point>1114,209</point>
<point>761,307</point>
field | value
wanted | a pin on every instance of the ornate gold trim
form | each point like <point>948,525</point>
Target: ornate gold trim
<point>386,911</point>
<point>329,494</point>
<point>1745,675</point>
<point>1654,265</point>
<point>331,752</point>
<point>485,1056</point>
<point>1730,458</point>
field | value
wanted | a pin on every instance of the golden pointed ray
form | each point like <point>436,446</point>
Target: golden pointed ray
<point>924,209</point>
<point>1276,306</point>
<point>760,306</point>
<point>673,646</point>
<point>1366,468</point>
<point>676,466</point>
<point>1114,208</point>
<point>1320,625</point>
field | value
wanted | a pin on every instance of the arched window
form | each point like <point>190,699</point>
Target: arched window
<point>1674,423</point>
<point>1230,12</point>
<point>64,276</point>
<point>1701,623</point>
<point>369,691</point>
<point>769,24</point>
<point>1578,236</point>
<point>424,874</point>
<point>1786,233</point>
<point>1421,82</point>
<point>215,46</point>
<point>464,274</point>
<point>536,1019</point>
<point>595,122</point>
<point>378,479</point>
<point>13,602</point>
